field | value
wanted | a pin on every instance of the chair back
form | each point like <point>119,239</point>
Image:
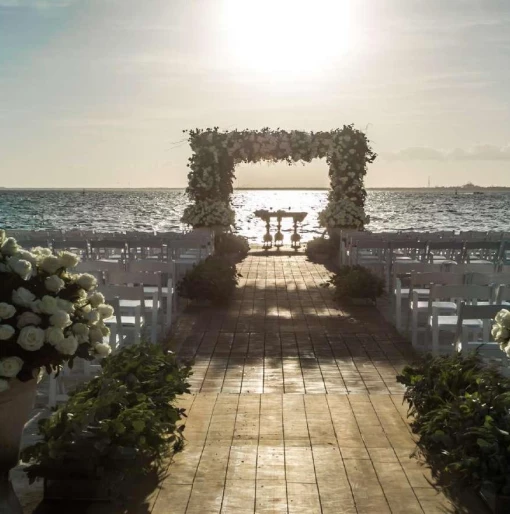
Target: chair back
<point>436,277</point>
<point>468,293</point>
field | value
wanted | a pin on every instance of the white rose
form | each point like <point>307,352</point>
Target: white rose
<point>68,259</point>
<point>504,333</point>
<point>87,281</point>
<point>67,346</point>
<point>503,318</point>
<point>80,329</point>
<point>50,264</point>
<point>23,297</point>
<point>41,252</point>
<point>54,283</point>
<point>96,334</point>
<point>20,266</point>
<point>28,256</point>
<point>60,319</point>
<point>64,305</point>
<point>10,366</point>
<point>4,385</point>
<point>53,335</point>
<point>106,311</point>
<point>104,329</point>
<point>7,310</point>
<point>102,349</point>
<point>31,338</point>
<point>28,318</point>
<point>507,350</point>
<point>96,299</point>
<point>93,316</point>
<point>9,246</point>
<point>6,332</point>
<point>48,305</point>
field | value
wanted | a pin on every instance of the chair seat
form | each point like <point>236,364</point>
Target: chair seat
<point>404,292</point>
<point>154,289</point>
<point>445,306</point>
<point>451,322</point>
<point>126,321</point>
<point>132,304</point>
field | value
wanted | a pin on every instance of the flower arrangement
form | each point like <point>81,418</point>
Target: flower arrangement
<point>48,315</point>
<point>213,280</point>
<point>459,408</point>
<point>117,425</point>
<point>231,245</point>
<point>343,213</point>
<point>208,214</point>
<point>356,282</point>
<point>501,330</point>
<point>216,153</point>
<point>319,249</point>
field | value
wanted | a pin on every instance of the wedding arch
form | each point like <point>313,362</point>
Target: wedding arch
<point>216,153</point>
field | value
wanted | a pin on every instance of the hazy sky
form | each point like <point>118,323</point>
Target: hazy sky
<point>95,93</point>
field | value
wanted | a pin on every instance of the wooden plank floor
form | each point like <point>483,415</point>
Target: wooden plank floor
<point>295,408</point>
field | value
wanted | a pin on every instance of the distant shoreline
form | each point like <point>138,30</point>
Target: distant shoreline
<point>447,189</point>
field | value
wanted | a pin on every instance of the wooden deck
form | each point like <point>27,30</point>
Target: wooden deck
<point>295,408</point>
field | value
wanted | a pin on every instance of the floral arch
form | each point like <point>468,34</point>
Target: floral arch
<point>216,153</point>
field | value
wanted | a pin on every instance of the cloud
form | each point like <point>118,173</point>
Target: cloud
<point>476,153</point>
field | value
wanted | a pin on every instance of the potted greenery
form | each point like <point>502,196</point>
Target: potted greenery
<point>460,409</point>
<point>48,316</point>
<point>212,280</point>
<point>231,246</point>
<point>319,249</point>
<point>357,285</point>
<point>113,428</point>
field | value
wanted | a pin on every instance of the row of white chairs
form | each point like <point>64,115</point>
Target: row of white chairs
<point>419,281</point>
<point>436,302</point>
<point>142,292</point>
<point>153,247</point>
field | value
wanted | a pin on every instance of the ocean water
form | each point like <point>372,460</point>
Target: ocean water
<point>149,210</point>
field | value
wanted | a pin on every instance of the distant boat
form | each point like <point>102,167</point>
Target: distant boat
<point>478,193</point>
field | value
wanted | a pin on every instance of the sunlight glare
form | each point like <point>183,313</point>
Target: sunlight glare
<point>288,37</point>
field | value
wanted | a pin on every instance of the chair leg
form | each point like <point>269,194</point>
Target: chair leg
<point>435,337</point>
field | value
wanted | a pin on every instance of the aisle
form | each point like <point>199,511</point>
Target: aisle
<point>295,407</point>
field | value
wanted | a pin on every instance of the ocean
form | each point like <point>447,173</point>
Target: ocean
<point>161,210</point>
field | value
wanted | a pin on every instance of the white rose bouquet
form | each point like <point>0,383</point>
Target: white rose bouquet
<point>208,214</point>
<point>48,315</point>
<point>501,330</point>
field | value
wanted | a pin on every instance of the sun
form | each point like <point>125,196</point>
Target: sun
<point>287,37</point>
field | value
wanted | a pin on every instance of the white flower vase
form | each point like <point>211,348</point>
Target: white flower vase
<point>15,406</point>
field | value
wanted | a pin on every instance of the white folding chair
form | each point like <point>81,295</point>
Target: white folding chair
<point>486,346</point>
<point>445,251</point>
<point>398,293</point>
<point>129,305</point>
<point>167,269</point>
<point>109,249</point>
<point>420,285</point>
<point>152,300</point>
<point>438,322</point>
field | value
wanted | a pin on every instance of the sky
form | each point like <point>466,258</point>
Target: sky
<point>96,93</point>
